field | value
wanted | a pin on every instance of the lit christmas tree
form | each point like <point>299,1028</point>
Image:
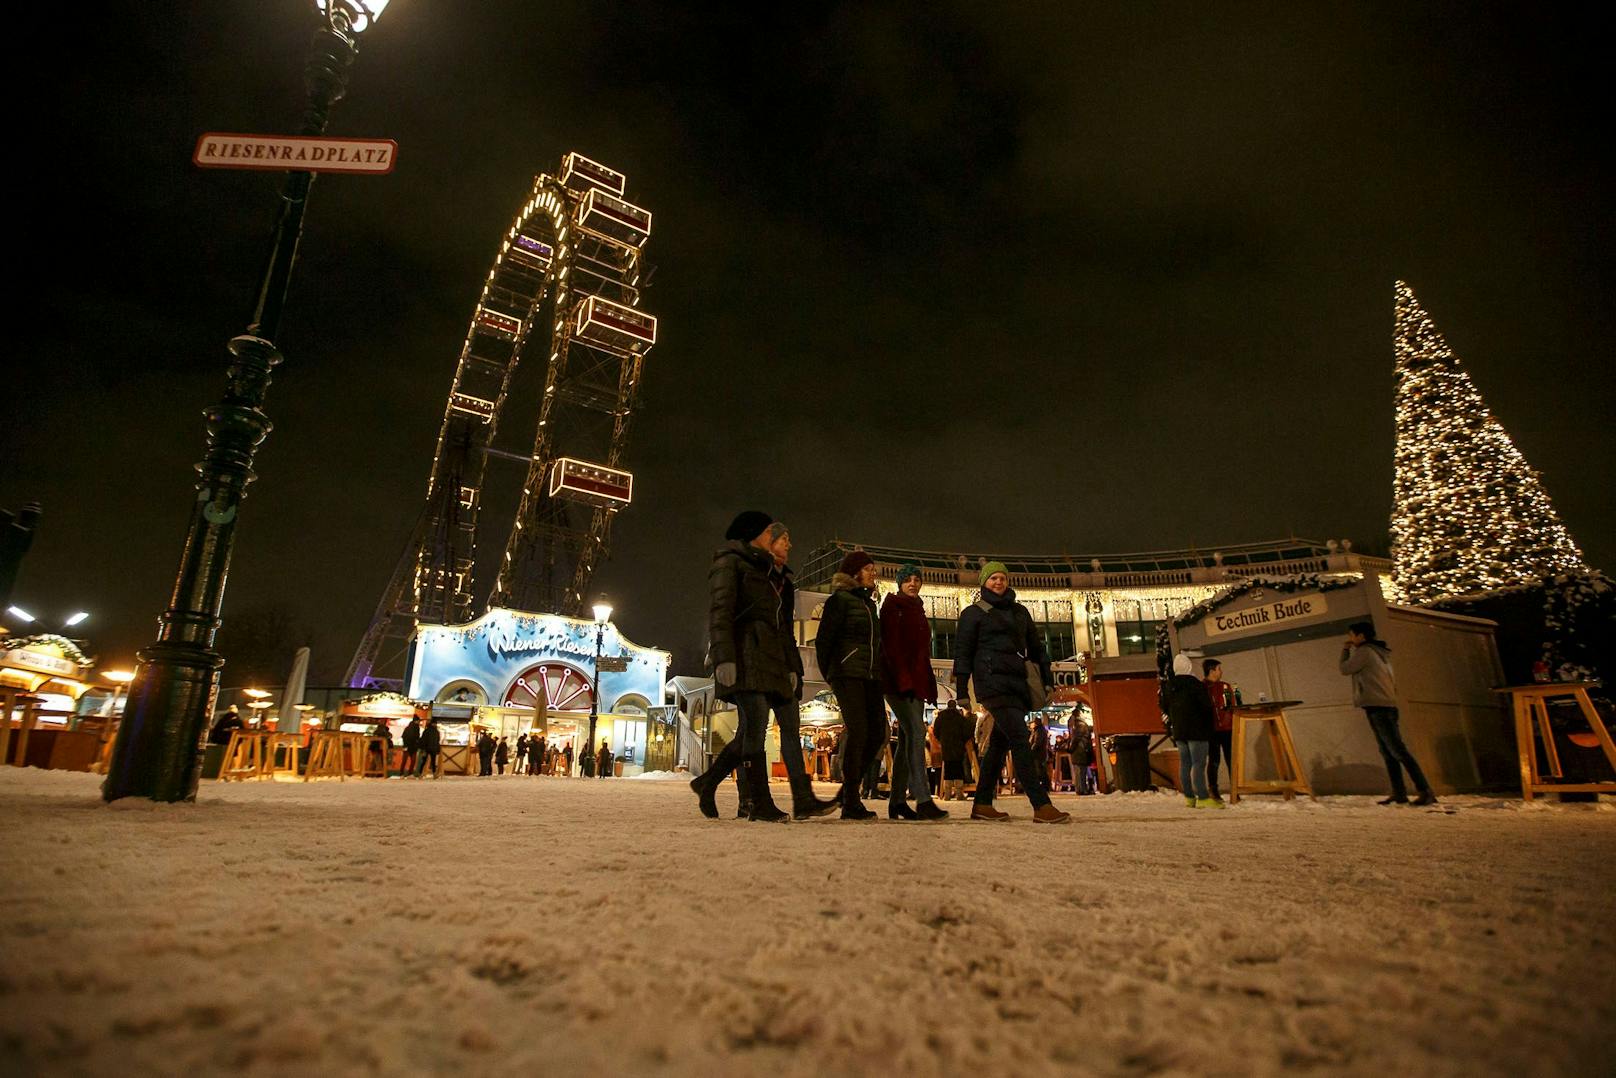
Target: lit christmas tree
<point>1470,515</point>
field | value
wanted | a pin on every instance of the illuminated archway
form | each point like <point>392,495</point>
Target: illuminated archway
<point>565,687</point>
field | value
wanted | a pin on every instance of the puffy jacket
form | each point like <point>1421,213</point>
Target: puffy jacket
<point>745,624</point>
<point>1189,709</point>
<point>993,646</point>
<point>1370,667</point>
<point>849,640</point>
<point>906,649</point>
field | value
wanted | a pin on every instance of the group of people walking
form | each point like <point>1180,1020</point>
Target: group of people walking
<point>875,658</point>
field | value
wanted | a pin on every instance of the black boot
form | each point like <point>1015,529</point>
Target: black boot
<point>703,786</point>
<point>743,804</point>
<point>804,805</point>
<point>757,778</point>
<point>900,810</point>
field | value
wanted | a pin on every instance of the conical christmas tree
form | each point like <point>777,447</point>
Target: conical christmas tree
<point>1470,515</point>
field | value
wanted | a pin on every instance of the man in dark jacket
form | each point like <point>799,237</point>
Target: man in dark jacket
<point>849,650</point>
<point>1368,661</point>
<point>997,639</point>
<point>747,646</point>
<point>1191,720</point>
<point>228,724</point>
<point>485,754</point>
<point>426,756</point>
<point>953,730</point>
<point>412,747</point>
<point>521,755</point>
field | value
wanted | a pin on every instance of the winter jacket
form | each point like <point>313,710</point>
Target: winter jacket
<point>1222,699</point>
<point>1370,667</point>
<point>849,640</point>
<point>953,730</point>
<point>1188,708</point>
<point>431,738</point>
<point>993,646</point>
<point>906,649</point>
<point>502,754</point>
<point>412,737</point>
<point>745,624</point>
<point>220,734</point>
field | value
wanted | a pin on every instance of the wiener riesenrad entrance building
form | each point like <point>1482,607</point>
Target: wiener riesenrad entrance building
<point>1100,605</point>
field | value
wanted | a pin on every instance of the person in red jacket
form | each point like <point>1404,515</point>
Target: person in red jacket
<point>909,685</point>
<point>1223,729</point>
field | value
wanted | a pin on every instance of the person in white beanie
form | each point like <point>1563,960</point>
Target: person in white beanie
<point>1191,720</point>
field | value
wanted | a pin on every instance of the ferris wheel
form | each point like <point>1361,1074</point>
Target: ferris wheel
<point>566,278</point>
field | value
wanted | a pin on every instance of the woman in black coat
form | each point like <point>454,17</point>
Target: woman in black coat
<point>426,756</point>
<point>1191,720</point>
<point>849,651</point>
<point>747,638</point>
<point>997,639</point>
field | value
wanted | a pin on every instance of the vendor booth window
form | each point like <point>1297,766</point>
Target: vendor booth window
<point>1060,641</point>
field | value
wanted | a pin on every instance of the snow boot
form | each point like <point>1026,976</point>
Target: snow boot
<point>804,805</point>
<point>763,809</point>
<point>928,810</point>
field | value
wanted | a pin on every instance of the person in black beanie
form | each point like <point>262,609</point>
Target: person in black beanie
<point>849,651</point>
<point>747,647</point>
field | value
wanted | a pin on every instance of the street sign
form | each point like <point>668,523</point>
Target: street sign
<point>295,153</point>
<point>613,664</point>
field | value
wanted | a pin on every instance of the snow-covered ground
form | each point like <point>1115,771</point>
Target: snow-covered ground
<point>533,925</point>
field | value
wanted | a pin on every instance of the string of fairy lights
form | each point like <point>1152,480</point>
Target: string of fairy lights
<point>1470,514</point>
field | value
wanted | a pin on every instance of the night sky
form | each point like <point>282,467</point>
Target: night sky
<point>998,278</point>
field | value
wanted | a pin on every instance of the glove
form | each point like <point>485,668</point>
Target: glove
<point>725,674</point>
<point>962,689</point>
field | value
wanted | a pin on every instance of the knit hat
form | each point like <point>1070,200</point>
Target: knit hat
<point>989,569</point>
<point>1183,665</point>
<point>856,560</point>
<point>748,526</point>
<point>907,570</point>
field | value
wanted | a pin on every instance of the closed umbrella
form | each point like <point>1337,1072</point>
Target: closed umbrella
<point>295,681</point>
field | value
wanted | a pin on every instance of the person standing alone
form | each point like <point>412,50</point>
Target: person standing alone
<point>1368,662</point>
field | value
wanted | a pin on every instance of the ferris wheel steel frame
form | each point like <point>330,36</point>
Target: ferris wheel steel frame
<point>571,263</point>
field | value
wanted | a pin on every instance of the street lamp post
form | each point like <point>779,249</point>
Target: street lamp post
<point>158,750</point>
<point>603,614</point>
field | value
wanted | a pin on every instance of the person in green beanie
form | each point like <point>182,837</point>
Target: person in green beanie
<point>996,642</point>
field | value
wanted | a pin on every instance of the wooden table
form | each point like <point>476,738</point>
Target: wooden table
<point>1530,703</point>
<point>1272,715</point>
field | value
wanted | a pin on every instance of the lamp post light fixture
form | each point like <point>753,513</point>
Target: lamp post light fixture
<point>603,614</point>
<point>120,681</point>
<point>158,753</point>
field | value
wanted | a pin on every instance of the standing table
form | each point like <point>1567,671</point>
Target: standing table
<point>1529,703</point>
<point>1292,779</point>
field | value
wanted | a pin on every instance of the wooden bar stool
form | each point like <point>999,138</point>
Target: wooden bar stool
<point>325,757</point>
<point>280,755</point>
<point>1530,705</point>
<point>244,756</point>
<point>1292,779</point>
<point>375,749</point>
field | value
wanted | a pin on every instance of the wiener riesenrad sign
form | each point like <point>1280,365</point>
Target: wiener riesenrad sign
<point>296,153</point>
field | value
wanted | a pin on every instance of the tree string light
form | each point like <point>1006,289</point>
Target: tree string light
<point>1469,514</point>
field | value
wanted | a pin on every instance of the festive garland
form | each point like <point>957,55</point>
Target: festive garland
<point>70,650</point>
<point>386,698</point>
<point>1283,584</point>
